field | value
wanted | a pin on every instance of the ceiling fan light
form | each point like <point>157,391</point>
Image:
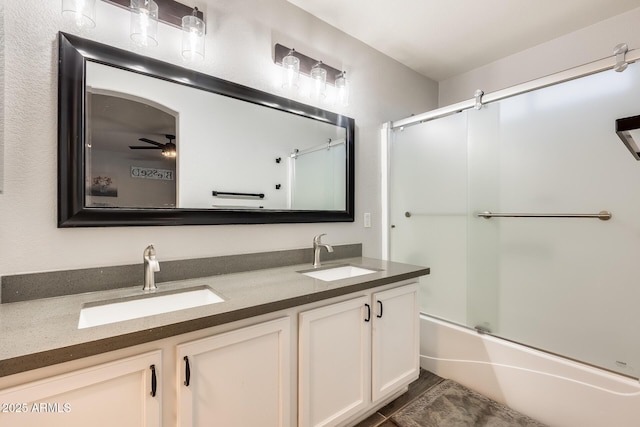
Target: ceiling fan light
<point>169,150</point>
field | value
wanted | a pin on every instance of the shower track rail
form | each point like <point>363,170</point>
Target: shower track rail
<point>602,215</point>
<point>607,63</point>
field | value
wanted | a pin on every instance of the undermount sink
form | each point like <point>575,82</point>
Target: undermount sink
<point>337,273</point>
<point>104,312</point>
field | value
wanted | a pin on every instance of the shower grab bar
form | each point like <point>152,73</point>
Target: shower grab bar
<point>230,195</point>
<point>602,215</point>
<point>236,207</point>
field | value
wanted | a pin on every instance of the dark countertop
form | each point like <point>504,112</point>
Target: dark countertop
<point>43,332</point>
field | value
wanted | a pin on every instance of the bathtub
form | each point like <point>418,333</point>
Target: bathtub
<point>551,389</point>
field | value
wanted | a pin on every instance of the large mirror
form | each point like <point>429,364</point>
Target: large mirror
<point>143,142</point>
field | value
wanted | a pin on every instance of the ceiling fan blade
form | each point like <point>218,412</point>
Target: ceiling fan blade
<point>138,147</point>
<point>149,141</point>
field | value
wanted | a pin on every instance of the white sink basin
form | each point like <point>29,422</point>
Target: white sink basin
<point>102,313</point>
<point>338,273</point>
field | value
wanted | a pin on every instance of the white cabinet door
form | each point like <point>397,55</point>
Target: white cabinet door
<point>395,340</point>
<point>111,394</point>
<point>334,362</point>
<point>237,379</point>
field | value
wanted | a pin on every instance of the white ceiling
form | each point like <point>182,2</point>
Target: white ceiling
<point>445,38</point>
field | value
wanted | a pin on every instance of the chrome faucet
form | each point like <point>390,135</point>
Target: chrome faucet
<point>317,244</point>
<point>151,265</point>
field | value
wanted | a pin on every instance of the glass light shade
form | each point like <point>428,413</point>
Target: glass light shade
<point>144,22</point>
<point>290,71</point>
<point>319,79</point>
<point>342,89</point>
<point>81,12</point>
<point>193,31</point>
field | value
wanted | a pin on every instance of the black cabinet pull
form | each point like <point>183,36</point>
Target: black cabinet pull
<point>368,313</point>
<point>187,372</point>
<point>154,380</point>
<point>380,314</point>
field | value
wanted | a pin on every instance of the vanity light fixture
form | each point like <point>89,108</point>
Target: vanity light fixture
<point>81,12</point>
<point>144,22</point>
<point>145,15</point>
<point>290,70</point>
<point>321,74</point>
<point>319,77</point>
<point>193,31</point>
<point>170,12</point>
<point>342,89</point>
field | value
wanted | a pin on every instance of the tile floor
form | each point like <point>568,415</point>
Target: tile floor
<point>416,388</point>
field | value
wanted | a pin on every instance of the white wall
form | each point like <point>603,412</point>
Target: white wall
<point>240,39</point>
<point>586,45</point>
<point>1,93</point>
<point>132,192</point>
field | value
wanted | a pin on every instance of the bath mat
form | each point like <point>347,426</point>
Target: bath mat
<point>450,404</point>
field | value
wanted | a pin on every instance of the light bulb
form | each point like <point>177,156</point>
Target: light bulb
<point>342,87</point>
<point>290,71</point>
<point>319,78</point>
<point>144,22</point>
<point>80,12</point>
<point>193,31</point>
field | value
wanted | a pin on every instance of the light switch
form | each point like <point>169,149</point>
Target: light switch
<point>367,220</point>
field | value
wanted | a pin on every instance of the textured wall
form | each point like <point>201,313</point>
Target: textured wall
<point>586,45</point>
<point>1,92</point>
<point>239,47</point>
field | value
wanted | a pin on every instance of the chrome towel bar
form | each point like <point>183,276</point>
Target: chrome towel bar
<point>602,215</point>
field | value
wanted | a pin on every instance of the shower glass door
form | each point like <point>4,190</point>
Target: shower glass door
<point>428,210</point>
<point>565,285</point>
<point>318,179</point>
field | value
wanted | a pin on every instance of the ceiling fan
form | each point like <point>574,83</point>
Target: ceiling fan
<point>168,149</point>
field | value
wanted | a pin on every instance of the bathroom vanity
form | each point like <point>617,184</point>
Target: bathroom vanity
<point>281,349</point>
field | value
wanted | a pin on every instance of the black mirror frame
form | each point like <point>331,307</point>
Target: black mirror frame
<point>73,54</point>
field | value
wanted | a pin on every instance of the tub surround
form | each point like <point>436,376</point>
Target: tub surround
<point>24,287</point>
<point>43,332</point>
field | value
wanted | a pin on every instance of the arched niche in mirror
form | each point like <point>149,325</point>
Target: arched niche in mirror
<point>144,142</point>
